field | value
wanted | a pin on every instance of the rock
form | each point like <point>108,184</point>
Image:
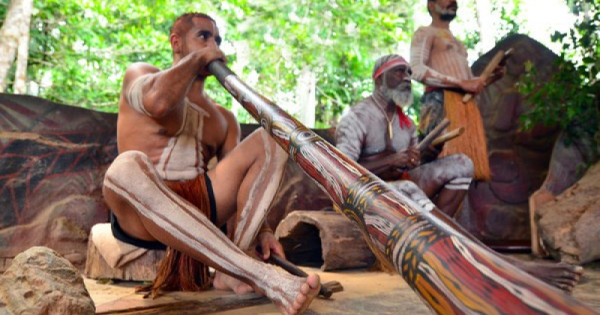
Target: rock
<point>568,226</point>
<point>39,281</point>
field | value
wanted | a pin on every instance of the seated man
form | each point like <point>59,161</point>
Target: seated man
<point>377,127</point>
<point>160,192</point>
<point>377,134</point>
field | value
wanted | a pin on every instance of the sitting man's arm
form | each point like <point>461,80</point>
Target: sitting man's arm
<point>155,93</point>
<point>387,163</point>
<point>267,241</point>
<point>350,134</point>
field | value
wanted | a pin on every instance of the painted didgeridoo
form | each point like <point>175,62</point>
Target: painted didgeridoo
<point>451,273</point>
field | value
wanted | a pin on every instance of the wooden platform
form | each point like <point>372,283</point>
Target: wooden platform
<point>365,292</point>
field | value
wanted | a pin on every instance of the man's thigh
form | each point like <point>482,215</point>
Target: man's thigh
<point>227,176</point>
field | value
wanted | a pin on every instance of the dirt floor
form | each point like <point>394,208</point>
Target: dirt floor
<point>365,292</point>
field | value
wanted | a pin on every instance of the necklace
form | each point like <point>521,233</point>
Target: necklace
<point>389,121</point>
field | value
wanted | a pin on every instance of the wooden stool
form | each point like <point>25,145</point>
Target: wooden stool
<point>109,258</point>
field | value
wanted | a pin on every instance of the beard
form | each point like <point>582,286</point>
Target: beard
<point>448,13</point>
<point>401,95</point>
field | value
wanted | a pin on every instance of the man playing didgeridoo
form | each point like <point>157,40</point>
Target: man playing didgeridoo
<point>376,127</point>
<point>368,129</point>
<point>160,192</point>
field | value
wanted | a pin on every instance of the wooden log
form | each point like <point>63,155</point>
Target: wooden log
<point>324,238</point>
<point>452,273</point>
<point>143,268</point>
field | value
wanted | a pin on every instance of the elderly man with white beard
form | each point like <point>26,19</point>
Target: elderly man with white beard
<point>376,128</point>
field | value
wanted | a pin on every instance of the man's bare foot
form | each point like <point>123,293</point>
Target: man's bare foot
<point>226,282</point>
<point>308,290</point>
<point>560,275</point>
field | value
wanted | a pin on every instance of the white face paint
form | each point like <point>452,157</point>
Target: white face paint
<point>401,95</point>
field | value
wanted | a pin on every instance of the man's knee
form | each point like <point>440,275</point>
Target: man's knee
<point>465,163</point>
<point>414,193</point>
<point>272,150</point>
<point>124,165</point>
<point>122,171</point>
<point>406,186</point>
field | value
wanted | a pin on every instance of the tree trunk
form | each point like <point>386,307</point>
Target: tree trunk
<point>14,35</point>
<point>486,34</point>
<point>306,97</point>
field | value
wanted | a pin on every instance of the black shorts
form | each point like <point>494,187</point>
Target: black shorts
<point>124,237</point>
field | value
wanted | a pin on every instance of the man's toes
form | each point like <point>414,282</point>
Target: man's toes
<point>313,281</point>
<point>578,270</point>
<point>304,288</point>
<point>300,299</point>
<point>565,288</point>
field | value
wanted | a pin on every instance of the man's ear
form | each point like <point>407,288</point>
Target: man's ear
<point>175,43</point>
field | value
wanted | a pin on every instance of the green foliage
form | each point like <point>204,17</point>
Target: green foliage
<point>336,40</point>
<point>509,16</point>
<point>79,49</point>
<point>570,99</point>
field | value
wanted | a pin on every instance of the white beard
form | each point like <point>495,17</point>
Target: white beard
<point>401,97</point>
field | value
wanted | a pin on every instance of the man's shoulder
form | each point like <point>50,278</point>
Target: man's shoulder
<point>138,69</point>
<point>141,66</point>
<point>358,110</point>
<point>363,106</point>
<point>424,29</point>
<point>224,111</point>
<point>221,111</point>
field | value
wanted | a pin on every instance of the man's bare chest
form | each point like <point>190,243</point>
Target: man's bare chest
<point>446,43</point>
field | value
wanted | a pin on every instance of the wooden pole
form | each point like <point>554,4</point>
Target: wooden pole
<point>450,272</point>
<point>499,57</point>
<point>434,134</point>
<point>448,136</point>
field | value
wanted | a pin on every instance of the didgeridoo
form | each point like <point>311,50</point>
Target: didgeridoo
<point>451,273</point>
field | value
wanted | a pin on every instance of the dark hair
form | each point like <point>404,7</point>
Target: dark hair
<point>183,23</point>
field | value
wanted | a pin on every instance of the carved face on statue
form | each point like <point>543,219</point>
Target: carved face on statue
<point>396,86</point>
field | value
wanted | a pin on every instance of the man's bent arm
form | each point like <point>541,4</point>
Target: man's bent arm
<point>164,90</point>
<point>385,162</point>
<point>349,135</point>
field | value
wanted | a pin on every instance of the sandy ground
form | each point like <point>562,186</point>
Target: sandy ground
<point>365,292</point>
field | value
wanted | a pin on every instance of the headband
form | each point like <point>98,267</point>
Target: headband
<point>388,65</point>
